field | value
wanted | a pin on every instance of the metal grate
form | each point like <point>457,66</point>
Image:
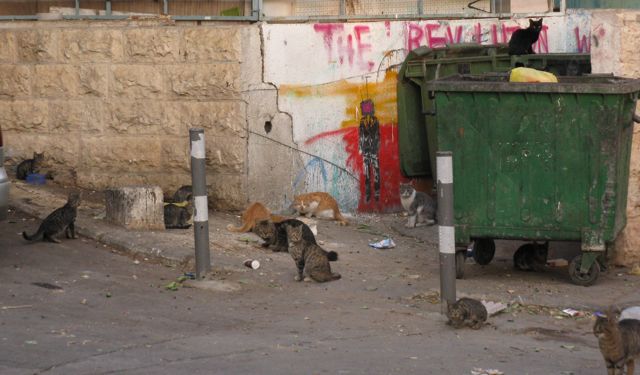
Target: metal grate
<point>210,7</point>
<point>316,8</point>
<point>127,7</point>
<point>388,7</point>
<point>381,7</point>
<point>31,7</point>
<point>456,6</point>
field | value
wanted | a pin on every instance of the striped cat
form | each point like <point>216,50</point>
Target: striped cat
<point>619,342</point>
<point>60,220</point>
<point>29,166</point>
<point>311,260</point>
<point>275,234</point>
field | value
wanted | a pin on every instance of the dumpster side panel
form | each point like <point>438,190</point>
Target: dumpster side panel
<point>526,163</point>
<point>414,160</point>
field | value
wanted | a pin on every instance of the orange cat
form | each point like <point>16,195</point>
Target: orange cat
<point>319,204</point>
<point>254,213</point>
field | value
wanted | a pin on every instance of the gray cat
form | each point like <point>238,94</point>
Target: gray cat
<point>183,194</point>
<point>178,215</point>
<point>275,235</point>
<point>29,166</point>
<point>311,260</point>
<point>420,206</point>
<point>60,220</point>
<point>178,210</point>
<point>466,311</point>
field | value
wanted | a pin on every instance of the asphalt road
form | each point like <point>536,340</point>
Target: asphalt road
<point>108,314</point>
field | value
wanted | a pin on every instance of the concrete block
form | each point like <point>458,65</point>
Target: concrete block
<point>15,81</point>
<point>137,81</point>
<point>152,45</point>
<point>200,81</point>
<point>84,116</point>
<point>37,45</point>
<point>8,52</point>
<point>57,81</point>
<point>87,45</point>
<point>24,115</point>
<point>215,44</point>
<point>135,207</point>
<point>140,117</point>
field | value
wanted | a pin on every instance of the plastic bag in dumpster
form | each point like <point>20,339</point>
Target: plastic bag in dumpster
<point>531,75</point>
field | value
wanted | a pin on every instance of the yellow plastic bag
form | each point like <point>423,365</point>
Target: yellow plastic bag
<point>531,75</point>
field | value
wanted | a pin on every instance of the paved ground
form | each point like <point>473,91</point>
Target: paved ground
<point>114,314</point>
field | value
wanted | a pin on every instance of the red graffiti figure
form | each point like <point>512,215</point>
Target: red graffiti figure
<point>369,143</point>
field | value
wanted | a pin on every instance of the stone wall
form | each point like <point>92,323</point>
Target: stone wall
<point>615,42</point>
<point>110,103</point>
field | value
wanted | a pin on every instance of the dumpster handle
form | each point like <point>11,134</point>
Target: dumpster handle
<point>636,118</point>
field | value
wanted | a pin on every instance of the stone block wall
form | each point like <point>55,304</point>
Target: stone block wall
<point>111,103</point>
<point>615,42</point>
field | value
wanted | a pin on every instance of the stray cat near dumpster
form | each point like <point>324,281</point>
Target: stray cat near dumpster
<point>420,206</point>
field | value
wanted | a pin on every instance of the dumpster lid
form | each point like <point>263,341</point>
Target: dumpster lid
<point>499,82</point>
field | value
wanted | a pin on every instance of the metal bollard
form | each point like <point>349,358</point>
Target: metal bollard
<point>201,215</point>
<point>446,229</point>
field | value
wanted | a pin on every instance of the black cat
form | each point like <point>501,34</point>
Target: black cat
<point>531,257</point>
<point>521,42</point>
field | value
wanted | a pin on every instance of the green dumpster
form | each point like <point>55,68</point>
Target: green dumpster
<point>415,115</point>
<point>538,161</point>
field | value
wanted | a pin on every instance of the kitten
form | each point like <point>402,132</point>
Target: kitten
<point>531,257</point>
<point>275,234</point>
<point>466,311</point>
<point>521,42</point>
<point>29,166</point>
<point>178,215</point>
<point>311,260</point>
<point>255,212</point>
<point>60,220</point>
<point>420,206</point>
<point>318,204</point>
<point>619,342</point>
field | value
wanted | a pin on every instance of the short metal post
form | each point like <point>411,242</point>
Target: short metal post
<point>107,6</point>
<point>201,215</point>
<point>446,229</point>
<point>343,8</point>
<point>77,9</point>
<point>165,7</point>
<point>420,7</point>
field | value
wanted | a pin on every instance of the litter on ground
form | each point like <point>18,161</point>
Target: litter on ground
<point>387,243</point>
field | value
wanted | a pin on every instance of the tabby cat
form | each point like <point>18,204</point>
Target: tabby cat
<point>60,220</point>
<point>275,234</point>
<point>466,311</point>
<point>29,166</point>
<point>420,206</point>
<point>318,204</point>
<point>521,42</point>
<point>255,212</point>
<point>183,194</point>
<point>178,215</point>
<point>619,342</point>
<point>531,257</point>
<point>311,260</point>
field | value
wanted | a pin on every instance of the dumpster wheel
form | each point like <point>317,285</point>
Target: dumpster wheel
<point>483,250</point>
<point>461,256</point>
<point>584,279</point>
